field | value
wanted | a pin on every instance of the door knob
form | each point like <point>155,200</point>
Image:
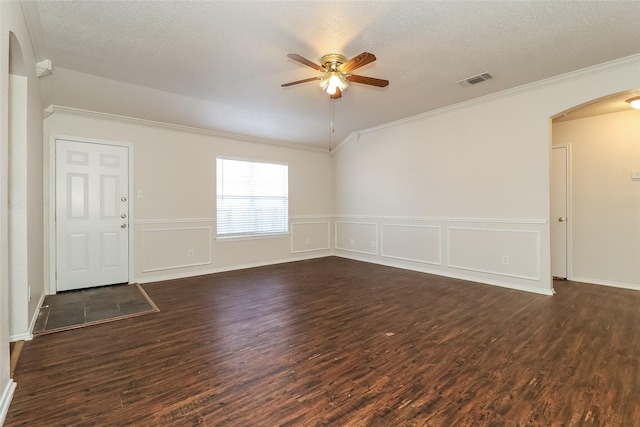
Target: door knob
<point>123,216</point>
<point>124,199</point>
<point>562,219</point>
<point>123,226</point>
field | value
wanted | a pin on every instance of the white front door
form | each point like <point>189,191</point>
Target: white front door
<point>92,214</point>
<point>559,208</point>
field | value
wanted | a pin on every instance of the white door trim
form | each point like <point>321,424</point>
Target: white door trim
<point>52,282</point>
<point>569,210</point>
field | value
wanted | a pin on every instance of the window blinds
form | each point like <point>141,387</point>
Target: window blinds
<point>252,198</point>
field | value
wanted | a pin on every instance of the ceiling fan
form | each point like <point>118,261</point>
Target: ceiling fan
<point>336,72</point>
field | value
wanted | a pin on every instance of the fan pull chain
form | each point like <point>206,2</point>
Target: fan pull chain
<point>332,129</point>
<point>333,116</point>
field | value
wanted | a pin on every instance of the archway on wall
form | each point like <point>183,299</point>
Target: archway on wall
<point>603,200</point>
<point>17,193</point>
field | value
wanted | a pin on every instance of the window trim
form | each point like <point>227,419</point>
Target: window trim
<point>249,235</point>
<point>256,236</point>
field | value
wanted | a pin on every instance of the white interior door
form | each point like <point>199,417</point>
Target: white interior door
<point>92,214</point>
<point>559,208</point>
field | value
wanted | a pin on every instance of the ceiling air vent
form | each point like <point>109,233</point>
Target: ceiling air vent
<point>470,81</point>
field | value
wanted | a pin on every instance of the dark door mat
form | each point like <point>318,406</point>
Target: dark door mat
<point>86,307</point>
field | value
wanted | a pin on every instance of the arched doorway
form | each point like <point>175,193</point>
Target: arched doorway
<point>601,139</point>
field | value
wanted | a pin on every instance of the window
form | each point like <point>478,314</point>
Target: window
<point>252,198</point>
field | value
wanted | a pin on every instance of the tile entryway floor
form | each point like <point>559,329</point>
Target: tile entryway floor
<point>74,309</point>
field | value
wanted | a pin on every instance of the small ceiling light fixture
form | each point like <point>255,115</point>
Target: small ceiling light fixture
<point>634,102</point>
<point>332,81</point>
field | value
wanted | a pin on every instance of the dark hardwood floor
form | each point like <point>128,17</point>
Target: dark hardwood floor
<point>335,342</point>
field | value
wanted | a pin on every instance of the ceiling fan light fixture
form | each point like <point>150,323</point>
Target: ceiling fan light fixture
<point>337,72</point>
<point>634,102</point>
<point>333,80</point>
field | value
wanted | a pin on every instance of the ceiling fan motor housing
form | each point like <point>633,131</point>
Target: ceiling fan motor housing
<point>332,61</point>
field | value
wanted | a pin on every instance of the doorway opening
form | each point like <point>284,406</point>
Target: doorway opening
<point>603,198</point>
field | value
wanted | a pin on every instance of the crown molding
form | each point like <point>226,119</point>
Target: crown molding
<point>34,28</point>
<point>355,136</point>
<point>194,130</point>
<point>629,61</point>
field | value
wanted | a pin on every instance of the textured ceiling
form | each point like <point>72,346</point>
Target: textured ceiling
<point>229,57</point>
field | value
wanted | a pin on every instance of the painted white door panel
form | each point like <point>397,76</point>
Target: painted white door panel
<point>92,215</point>
<point>559,209</point>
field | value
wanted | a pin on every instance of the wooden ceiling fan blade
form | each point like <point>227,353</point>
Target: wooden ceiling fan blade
<point>356,62</point>
<point>300,81</point>
<point>368,80</point>
<point>336,95</point>
<point>305,61</point>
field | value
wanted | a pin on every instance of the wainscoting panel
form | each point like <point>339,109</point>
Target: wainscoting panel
<point>361,237</point>
<point>310,236</point>
<point>514,253</point>
<point>419,243</point>
<point>169,248</point>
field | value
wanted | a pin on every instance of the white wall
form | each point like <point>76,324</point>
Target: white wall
<point>18,210</point>
<point>7,386</point>
<point>174,169</point>
<point>470,182</point>
<point>12,22</point>
<point>26,274</point>
<point>605,201</point>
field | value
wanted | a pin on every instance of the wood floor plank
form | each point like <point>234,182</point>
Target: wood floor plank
<point>335,342</point>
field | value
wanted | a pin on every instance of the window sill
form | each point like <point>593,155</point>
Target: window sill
<point>252,237</point>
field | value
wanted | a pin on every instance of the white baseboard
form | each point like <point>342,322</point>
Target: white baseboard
<point>21,337</point>
<point>355,257</point>
<point>5,400</point>
<point>452,275</point>
<point>204,272</point>
<point>28,336</point>
<point>34,319</point>
<point>609,283</point>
